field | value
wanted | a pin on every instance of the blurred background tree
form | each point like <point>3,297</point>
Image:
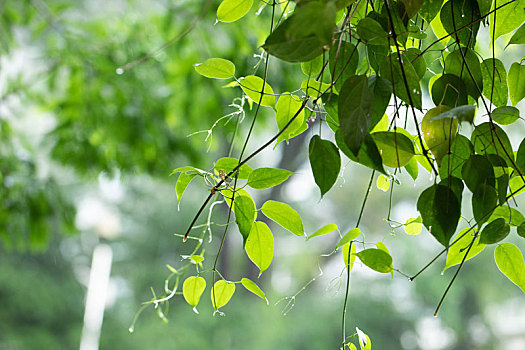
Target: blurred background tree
<point>85,154</point>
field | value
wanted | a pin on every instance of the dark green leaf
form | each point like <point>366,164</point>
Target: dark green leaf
<point>412,7</point>
<point>245,214</point>
<point>449,90</point>
<point>495,231</point>
<point>460,150</point>
<point>484,200</point>
<point>315,18</point>
<point>395,148</point>
<point>368,155</point>
<point>376,259</point>
<point>419,64</point>
<point>382,91</point>
<point>355,111</point>
<point>455,184</point>
<point>478,171</point>
<point>497,92</point>
<point>397,10</point>
<point>454,64</point>
<point>371,32</point>
<point>520,157</point>
<point>516,82</point>
<point>343,62</point>
<point>430,9</point>
<point>505,115</point>
<point>458,13</point>
<point>227,164</point>
<point>521,230</point>
<point>325,162</point>
<point>502,185</point>
<point>490,138</point>
<point>284,215</point>
<point>440,211</point>
<point>267,177</point>
<point>391,70</point>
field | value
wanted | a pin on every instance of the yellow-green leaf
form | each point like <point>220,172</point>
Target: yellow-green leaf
<point>349,236</point>
<point>259,245</point>
<point>192,289</point>
<point>254,288</point>
<point>267,177</point>
<point>324,230</point>
<point>413,226</point>
<point>284,215</point>
<point>232,10</point>
<point>253,85</point>
<point>510,262</point>
<point>383,183</point>
<point>221,293</point>
<point>217,68</point>
<point>459,248</point>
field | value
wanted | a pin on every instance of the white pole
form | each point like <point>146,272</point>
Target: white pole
<point>96,297</point>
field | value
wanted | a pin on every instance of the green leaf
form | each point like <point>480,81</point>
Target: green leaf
<point>454,64</point>
<point>320,17</point>
<point>440,210</point>
<point>364,340</point>
<point>324,230</point>
<point>182,182</point>
<point>412,7</point>
<point>382,92</point>
<point>430,9</point>
<point>456,185</point>
<point>260,246</point>
<point>516,83</point>
<point>245,215</point>
<point>227,164</point>
<point>520,157</point>
<point>253,85</point>
<point>463,113</point>
<point>196,259</point>
<point>221,293</point>
<point>511,215</point>
<point>217,68</point>
<point>254,288</point>
<point>371,32</point>
<point>413,226</point>
<point>267,177</point>
<point>449,90</point>
<point>285,109</point>
<point>478,171</point>
<point>343,62</point>
<point>390,69</point>
<point>413,55</point>
<point>325,162</point>
<point>395,148</point>
<point>192,289</point>
<point>284,215</point>
<point>458,13</point>
<point>232,10</point>
<point>355,111</point>
<point>460,150</point>
<point>314,88</point>
<point>505,115</point>
<point>518,37</point>
<point>368,155</point>
<point>495,231</point>
<point>349,236</point>
<point>516,186</point>
<point>458,249</point>
<point>484,200</point>
<point>412,168</point>
<point>491,139</point>
<point>312,67</point>
<point>376,259</point>
<point>510,262</point>
<point>521,230</point>
<point>383,183</point>
<point>352,254</point>
<point>507,18</point>
<point>502,184</point>
<point>497,92</point>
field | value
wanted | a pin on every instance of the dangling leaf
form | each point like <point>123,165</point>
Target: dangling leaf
<point>391,70</point>
<point>254,288</point>
<point>383,183</point>
<point>325,162</point>
<point>245,214</point>
<point>484,200</point>
<point>382,92</point>
<point>253,85</point>
<point>456,14</point>
<point>510,262</point>
<point>285,109</point>
<point>353,251</point>
<point>217,68</point>
<point>376,259</point>
<point>221,293</point>
<point>324,230</point>
<point>368,155</point>
<point>259,245</point>
<point>371,32</point>
<point>343,62</point>
<point>267,177</point>
<point>459,248</point>
<point>478,171</point>
<point>491,139</point>
<point>507,18</point>
<point>493,70</point>
<point>349,236</point>
<point>232,10</point>
<point>456,65</point>
<point>440,211</point>
<point>505,115</point>
<point>516,82</point>
<point>449,90</point>
<point>284,215</point>
<point>452,163</point>
<point>413,226</point>
<point>227,164</point>
<point>192,289</point>
<point>355,111</point>
<point>182,182</point>
<point>495,231</point>
<point>396,149</point>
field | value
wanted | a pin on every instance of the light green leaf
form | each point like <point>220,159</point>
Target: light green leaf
<point>510,262</point>
<point>349,236</point>
<point>325,162</point>
<point>376,259</point>
<point>516,186</point>
<point>511,215</point>
<point>364,340</point>
<point>518,37</point>
<point>267,177</point>
<point>285,109</point>
<point>324,230</point>
<point>495,231</point>
<point>516,82</point>
<point>253,85</point>
<point>351,346</point>
<point>457,251</point>
<point>314,88</point>
<point>396,149</point>
<point>383,183</point>
<point>499,92</point>
<point>284,215</point>
<point>413,226</point>
<point>312,67</point>
<point>245,214</point>
<point>227,164</point>
<point>192,289</point>
<point>221,293</point>
<point>505,115</point>
<point>196,259</point>
<point>352,254</point>
<point>259,245</point>
<point>232,10</point>
<point>507,18</point>
<point>217,68</point>
<point>182,182</point>
<point>254,288</point>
